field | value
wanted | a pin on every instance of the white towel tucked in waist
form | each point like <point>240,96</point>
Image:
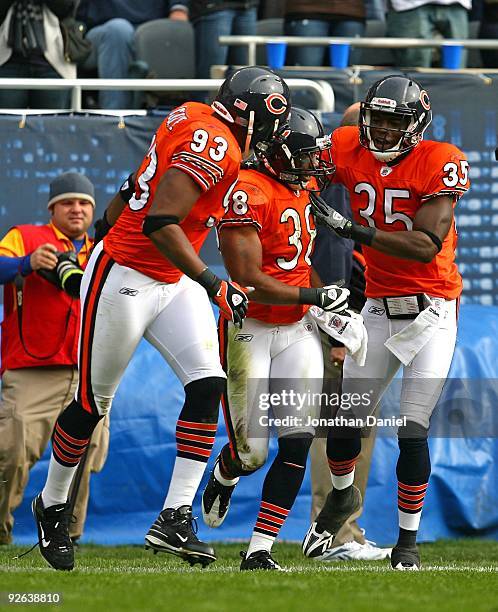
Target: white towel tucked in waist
<point>407,343</point>
<point>347,328</point>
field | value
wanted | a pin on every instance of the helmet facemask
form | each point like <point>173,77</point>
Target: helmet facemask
<point>307,163</point>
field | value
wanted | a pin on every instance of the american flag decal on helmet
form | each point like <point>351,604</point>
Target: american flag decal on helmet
<point>240,104</point>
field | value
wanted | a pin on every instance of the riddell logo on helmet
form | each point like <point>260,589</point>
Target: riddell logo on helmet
<point>276,103</point>
<point>384,102</point>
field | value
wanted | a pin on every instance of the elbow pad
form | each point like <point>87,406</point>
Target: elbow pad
<point>152,223</point>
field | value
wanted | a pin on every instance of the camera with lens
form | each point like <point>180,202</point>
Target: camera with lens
<point>67,273</point>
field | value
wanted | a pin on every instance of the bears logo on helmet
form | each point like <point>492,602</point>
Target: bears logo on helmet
<point>276,103</point>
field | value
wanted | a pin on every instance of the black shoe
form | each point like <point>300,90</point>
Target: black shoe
<point>174,532</point>
<point>339,506</point>
<point>259,560</point>
<point>215,501</point>
<point>53,534</point>
<point>405,559</point>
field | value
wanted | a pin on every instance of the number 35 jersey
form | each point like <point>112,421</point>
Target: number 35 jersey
<point>192,140</point>
<point>388,197</point>
<point>286,231</point>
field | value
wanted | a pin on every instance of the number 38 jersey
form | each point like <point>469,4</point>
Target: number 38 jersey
<point>388,198</point>
<point>194,141</point>
<point>286,230</point>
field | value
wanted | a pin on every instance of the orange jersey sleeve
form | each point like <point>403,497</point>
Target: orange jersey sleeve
<point>447,172</point>
<point>191,139</point>
<point>388,196</point>
<point>247,202</point>
<point>286,231</point>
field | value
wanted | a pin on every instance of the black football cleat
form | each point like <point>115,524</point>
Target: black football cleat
<point>174,532</point>
<point>53,534</point>
<point>339,506</point>
<point>259,560</point>
<point>404,559</point>
<point>215,501</point>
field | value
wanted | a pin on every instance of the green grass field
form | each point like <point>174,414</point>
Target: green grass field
<point>457,575</point>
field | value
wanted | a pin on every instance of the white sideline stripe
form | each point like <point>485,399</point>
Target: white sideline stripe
<point>304,569</point>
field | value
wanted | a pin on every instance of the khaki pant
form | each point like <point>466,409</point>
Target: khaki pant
<point>32,399</point>
<point>321,482</point>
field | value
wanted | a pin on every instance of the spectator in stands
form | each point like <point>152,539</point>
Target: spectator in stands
<point>111,30</point>
<point>423,19</point>
<point>321,18</point>
<point>214,19</point>
<point>271,9</point>
<point>31,46</point>
<point>375,10</point>
<point>40,341</point>
<point>489,29</point>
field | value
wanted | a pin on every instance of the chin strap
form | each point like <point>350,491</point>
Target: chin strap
<point>250,132</point>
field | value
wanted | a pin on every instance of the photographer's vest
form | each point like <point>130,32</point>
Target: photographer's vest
<point>46,334</point>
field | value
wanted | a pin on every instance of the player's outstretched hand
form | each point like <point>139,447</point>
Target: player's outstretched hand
<point>333,298</point>
<point>327,216</point>
<point>232,301</point>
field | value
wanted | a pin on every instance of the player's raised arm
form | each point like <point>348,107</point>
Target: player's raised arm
<point>243,256</point>
<point>431,225</point>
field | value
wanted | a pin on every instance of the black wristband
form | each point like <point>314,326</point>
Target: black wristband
<point>309,295</point>
<point>363,235</point>
<point>435,239</point>
<point>209,281</point>
<point>127,189</point>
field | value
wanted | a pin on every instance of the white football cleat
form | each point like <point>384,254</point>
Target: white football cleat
<point>354,551</point>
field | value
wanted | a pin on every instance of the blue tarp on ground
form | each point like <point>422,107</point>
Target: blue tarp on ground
<point>127,495</point>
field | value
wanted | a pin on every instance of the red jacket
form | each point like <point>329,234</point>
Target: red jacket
<point>50,317</point>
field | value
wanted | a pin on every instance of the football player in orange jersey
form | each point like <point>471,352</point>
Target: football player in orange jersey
<point>266,239</point>
<point>146,280</point>
<point>403,191</point>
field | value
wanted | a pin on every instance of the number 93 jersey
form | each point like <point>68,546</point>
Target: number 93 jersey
<point>286,230</point>
<point>388,197</point>
<point>192,140</point>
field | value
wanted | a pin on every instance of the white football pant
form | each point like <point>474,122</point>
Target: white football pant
<point>263,359</point>
<point>120,306</point>
<point>423,378</point>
